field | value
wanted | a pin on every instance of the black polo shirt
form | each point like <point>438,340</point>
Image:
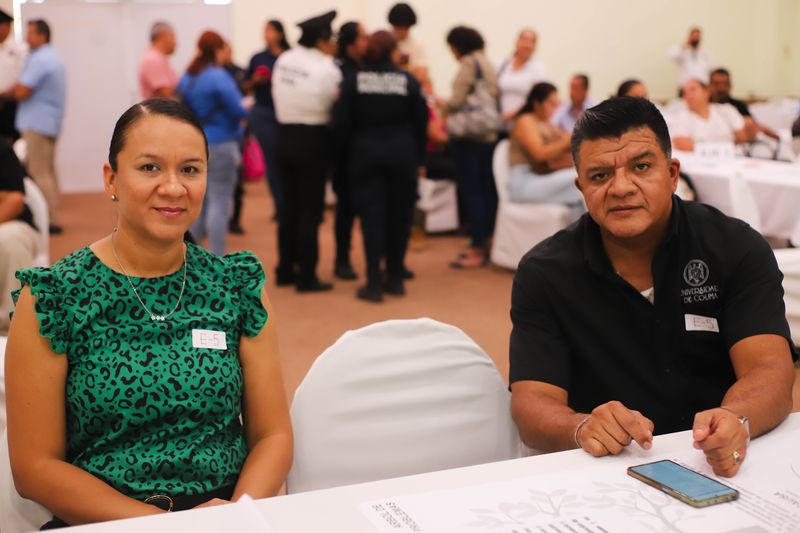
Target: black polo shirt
<point>581,327</point>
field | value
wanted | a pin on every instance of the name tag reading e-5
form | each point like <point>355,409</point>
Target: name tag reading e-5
<point>206,338</point>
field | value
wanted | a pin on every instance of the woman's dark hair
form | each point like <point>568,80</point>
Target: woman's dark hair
<point>538,94</point>
<point>207,45</point>
<point>616,116</point>
<point>348,34</point>
<point>154,106</point>
<point>380,47</point>
<point>402,16</point>
<point>626,86</point>
<point>277,25</point>
<point>465,40</point>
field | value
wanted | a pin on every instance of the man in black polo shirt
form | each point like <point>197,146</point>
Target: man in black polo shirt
<point>648,315</point>
<point>719,86</point>
<point>18,239</point>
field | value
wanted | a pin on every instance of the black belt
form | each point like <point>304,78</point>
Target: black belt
<point>166,503</point>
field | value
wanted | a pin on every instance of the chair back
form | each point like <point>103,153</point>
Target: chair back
<point>502,169</point>
<point>398,398</point>
<point>37,203</point>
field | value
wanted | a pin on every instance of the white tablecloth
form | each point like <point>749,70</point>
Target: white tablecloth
<point>775,186</point>
<point>337,510</point>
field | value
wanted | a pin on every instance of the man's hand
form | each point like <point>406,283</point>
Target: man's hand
<point>722,438</point>
<point>611,427</point>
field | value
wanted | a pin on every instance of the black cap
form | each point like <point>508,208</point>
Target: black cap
<point>5,17</point>
<point>318,24</point>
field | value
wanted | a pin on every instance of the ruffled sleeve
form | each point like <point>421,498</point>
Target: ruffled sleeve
<point>46,287</point>
<point>248,275</point>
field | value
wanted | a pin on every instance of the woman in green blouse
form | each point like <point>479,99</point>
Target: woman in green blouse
<point>130,361</point>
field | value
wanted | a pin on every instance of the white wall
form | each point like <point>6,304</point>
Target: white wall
<point>609,40</point>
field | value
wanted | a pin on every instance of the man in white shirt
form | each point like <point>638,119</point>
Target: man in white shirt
<point>518,74</point>
<point>305,83</point>
<point>413,57</point>
<point>693,60</point>
<point>579,101</point>
<point>156,76</point>
<point>12,58</point>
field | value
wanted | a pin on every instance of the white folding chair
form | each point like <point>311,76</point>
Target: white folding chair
<point>398,398</point>
<point>438,199</point>
<point>37,203</point>
<point>16,513</point>
<point>21,150</point>
<point>519,227</point>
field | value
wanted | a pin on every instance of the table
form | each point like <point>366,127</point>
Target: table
<point>337,509</point>
<point>775,186</point>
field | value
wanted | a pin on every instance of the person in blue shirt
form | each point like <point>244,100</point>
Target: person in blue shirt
<point>41,92</point>
<point>262,119</point>
<point>214,97</point>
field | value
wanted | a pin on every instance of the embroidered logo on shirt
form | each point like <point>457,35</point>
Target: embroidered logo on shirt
<point>695,273</point>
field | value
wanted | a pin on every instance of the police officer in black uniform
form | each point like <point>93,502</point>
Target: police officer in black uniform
<point>305,83</point>
<point>352,47</point>
<point>383,115</point>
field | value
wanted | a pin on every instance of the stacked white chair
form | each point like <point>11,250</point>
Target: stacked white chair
<point>398,398</point>
<point>16,513</point>
<point>37,203</point>
<point>439,202</point>
<point>519,227</point>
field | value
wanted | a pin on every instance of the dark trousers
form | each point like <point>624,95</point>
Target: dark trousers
<point>303,160</point>
<point>345,212</point>
<point>383,181</point>
<point>475,179</point>
<point>264,126</point>
<point>8,114</point>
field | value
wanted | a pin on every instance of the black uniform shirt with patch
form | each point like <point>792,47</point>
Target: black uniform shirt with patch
<point>580,326</point>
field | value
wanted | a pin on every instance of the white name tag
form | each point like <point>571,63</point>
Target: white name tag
<point>701,323</point>
<point>206,338</point>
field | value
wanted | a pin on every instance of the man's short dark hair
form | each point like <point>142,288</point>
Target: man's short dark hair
<point>402,16</point>
<point>722,71</point>
<point>616,116</point>
<point>158,29</point>
<point>465,40</point>
<point>584,79</point>
<point>42,28</point>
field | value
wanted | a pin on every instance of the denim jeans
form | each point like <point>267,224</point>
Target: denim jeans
<point>557,187</point>
<point>223,159</point>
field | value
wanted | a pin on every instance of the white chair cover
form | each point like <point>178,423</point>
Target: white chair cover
<point>398,398</point>
<point>37,203</point>
<point>437,198</point>
<point>789,263</point>
<point>21,149</point>
<point>519,227</point>
<point>743,203</point>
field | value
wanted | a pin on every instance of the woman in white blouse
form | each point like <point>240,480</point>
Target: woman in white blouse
<point>518,74</point>
<point>702,121</point>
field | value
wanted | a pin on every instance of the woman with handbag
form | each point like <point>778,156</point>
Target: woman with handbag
<point>212,94</point>
<point>473,122</point>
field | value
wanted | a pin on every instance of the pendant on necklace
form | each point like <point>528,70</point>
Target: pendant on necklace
<point>158,317</point>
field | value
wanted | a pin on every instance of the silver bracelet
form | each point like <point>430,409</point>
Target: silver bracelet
<point>577,429</point>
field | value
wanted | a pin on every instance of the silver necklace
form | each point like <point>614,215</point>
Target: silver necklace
<point>153,316</point>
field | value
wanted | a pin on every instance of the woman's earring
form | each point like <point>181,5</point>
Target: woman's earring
<point>114,198</point>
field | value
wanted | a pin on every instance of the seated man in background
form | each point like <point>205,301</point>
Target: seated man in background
<point>579,101</point>
<point>19,241</point>
<point>702,121</point>
<point>720,88</point>
<point>649,315</point>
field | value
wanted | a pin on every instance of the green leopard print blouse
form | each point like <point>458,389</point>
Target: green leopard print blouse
<point>147,412</point>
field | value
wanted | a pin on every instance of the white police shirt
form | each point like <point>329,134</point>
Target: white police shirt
<point>305,84</point>
<point>12,59</point>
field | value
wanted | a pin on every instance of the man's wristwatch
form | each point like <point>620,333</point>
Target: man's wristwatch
<point>743,419</point>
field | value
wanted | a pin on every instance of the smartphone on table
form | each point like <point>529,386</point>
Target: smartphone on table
<point>683,483</point>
